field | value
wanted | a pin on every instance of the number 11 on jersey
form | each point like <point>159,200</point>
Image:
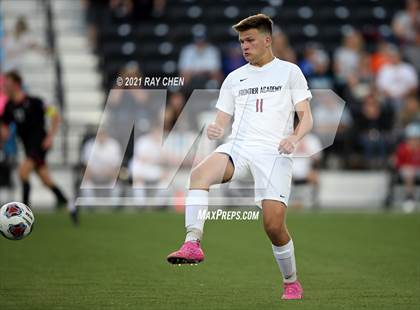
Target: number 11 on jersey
<point>259,105</point>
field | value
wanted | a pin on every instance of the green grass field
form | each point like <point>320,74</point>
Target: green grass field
<point>117,261</point>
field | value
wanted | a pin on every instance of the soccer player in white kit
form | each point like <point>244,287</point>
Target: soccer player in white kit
<point>262,97</point>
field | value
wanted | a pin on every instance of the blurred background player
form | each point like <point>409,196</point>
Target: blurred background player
<point>29,114</point>
<point>7,149</point>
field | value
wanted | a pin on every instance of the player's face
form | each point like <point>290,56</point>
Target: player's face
<point>253,44</point>
<point>9,87</point>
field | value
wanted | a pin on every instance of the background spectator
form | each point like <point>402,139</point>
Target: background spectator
<point>397,79</point>
<point>147,166</point>
<point>410,112</point>
<point>359,84</point>
<point>326,112</point>
<point>307,63</point>
<point>282,48</point>
<point>406,21</point>
<point>412,51</point>
<point>380,57</point>
<point>16,44</point>
<point>407,161</point>
<point>373,127</point>
<point>233,58</point>
<point>121,10</point>
<point>320,77</point>
<point>127,107</point>
<point>347,57</point>
<point>306,164</point>
<point>174,108</point>
<point>200,62</point>
<point>104,156</point>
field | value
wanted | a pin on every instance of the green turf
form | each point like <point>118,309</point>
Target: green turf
<point>117,261</point>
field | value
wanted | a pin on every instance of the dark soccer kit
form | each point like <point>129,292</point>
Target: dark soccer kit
<point>29,117</point>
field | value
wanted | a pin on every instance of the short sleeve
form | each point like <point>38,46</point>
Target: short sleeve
<point>226,100</point>
<point>49,109</point>
<point>299,86</point>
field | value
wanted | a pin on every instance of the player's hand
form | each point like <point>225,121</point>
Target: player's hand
<point>287,145</point>
<point>47,143</point>
<point>214,131</point>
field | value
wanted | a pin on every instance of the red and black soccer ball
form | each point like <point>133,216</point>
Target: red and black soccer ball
<point>16,220</point>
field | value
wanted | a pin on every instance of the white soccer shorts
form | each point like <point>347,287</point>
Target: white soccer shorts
<point>271,171</point>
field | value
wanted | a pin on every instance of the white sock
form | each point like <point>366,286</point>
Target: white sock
<point>285,257</point>
<point>196,202</point>
<point>71,205</point>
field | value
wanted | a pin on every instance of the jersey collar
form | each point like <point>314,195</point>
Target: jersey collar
<point>267,66</point>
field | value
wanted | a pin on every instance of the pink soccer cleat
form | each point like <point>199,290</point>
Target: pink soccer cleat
<point>189,253</point>
<point>292,291</point>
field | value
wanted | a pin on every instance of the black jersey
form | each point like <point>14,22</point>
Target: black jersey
<point>29,117</point>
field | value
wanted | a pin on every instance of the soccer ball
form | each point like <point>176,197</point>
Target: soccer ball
<point>16,220</point>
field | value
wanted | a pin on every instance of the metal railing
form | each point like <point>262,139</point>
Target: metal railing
<point>59,90</point>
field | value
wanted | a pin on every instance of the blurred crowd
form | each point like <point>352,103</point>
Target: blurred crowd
<point>379,82</point>
<point>380,85</point>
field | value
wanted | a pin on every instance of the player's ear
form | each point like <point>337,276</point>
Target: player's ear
<point>268,40</point>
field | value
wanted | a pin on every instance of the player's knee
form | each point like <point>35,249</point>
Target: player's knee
<point>45,179</point>
<point>274,227</point>
<point>195,175</point>
<point>199,178</point>
<point>23,173</point>
<point>47,183</point>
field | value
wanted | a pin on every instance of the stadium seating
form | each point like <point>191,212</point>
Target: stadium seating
<point>302,21</point>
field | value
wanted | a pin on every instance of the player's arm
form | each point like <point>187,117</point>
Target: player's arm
<point>225,109</point>
<point>4,132</point>
<point>53,114</point>
<point>216,129</point>
<point>305,124</point>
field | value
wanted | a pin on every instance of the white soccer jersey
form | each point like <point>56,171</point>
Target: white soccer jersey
<point>262,101</point>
